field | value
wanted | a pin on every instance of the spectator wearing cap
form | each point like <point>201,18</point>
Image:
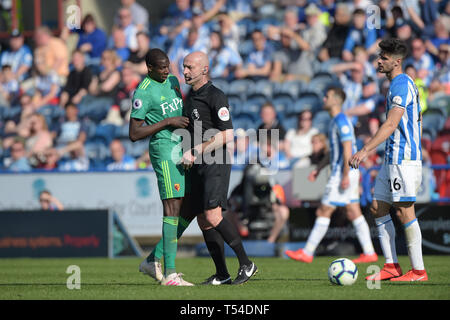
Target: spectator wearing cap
<point>92,40</point>
<point>334,43</point>
<point>421,60</point>
<point>259,62</point>
<point>359,35</point>
<point>19,57</point>
<point>223,60</point>
<point>18,161</point>
<point>313,36</point>
<point>53,51</point>
<point>120,160</point>
<point>78,82</point>
<point>139,14</point>
<point>137,58</point>
<point>404,32</point>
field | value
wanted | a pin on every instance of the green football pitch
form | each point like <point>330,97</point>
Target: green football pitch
<point>277,279</point>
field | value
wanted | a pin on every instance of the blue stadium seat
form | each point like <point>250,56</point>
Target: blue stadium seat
<point>138,148</point>
<point>429,134</point>
<point>262,87</point>
<point>282,103</point>
<point>240,87</point>
<point>222,84</point>
<point>290,122</point>
<point>293,88</point>
<point>252,107</point>
<point>321,120</point>
<point>244,121</point>
<point>245,48</point>
<point>434,119</point>
<point>235,104</point>
<point>441,103</point>
<point>12,113</point>
<point>245,26</point>
<point>105,133</point>
<point>297,107</point>
<point>309,101</point>
<point>122,132</point>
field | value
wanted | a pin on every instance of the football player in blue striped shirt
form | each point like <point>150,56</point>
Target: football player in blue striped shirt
<point>400,176</point>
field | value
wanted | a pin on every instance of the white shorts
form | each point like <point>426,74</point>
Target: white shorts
<point>398,182</point>
<point>334,196</point>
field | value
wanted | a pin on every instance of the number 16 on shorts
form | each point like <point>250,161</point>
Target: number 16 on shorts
<point>398,183</point>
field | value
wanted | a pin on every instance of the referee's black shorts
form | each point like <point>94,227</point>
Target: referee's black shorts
<point>209,186</point>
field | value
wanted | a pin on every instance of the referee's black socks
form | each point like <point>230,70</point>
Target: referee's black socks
<point>231,236</point>
<point>214,243</point>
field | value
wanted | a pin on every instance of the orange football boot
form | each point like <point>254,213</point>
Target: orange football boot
<point>413,275</point>
<point>389,271</point>
<point>299,255</point>
<point>366,258</point>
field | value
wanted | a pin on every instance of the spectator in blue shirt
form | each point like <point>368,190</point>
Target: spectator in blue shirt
<point>18,161</point>
<point>121,161</point>
<point>259,61</point>
<point>119,44</point>
<point>9,86</point>
<point>92,40</point>
<point>223,60</point>
<point>19,57</point>
<point>129,28</point>
<point>421,60</point>
<point>359,35</point>
<point>177,17</point>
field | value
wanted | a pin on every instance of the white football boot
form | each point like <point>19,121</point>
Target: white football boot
<point>152,269</point>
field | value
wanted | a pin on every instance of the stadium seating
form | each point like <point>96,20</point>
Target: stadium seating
<point>321,120</point>
<point>293,88</point>
<point>434,119</point>
<point>282,102</point>
<point>240,87</point>
<point>262,87</point>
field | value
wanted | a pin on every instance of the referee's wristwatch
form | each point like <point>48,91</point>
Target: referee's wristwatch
<point>194,152</point>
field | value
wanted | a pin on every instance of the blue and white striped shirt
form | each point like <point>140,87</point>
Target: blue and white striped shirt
<point>404,143</point>
<point>340,130</point>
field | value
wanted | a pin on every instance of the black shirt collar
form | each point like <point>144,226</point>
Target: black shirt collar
<point>201,89</point>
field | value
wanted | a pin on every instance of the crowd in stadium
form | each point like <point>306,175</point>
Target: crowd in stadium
<point>69,111</point>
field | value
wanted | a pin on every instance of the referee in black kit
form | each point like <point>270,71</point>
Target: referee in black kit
<point>210,166</point>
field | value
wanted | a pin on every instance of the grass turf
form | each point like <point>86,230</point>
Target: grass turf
<point>277,279</point>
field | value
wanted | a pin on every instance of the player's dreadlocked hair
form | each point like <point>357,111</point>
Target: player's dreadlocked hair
<point>155,55</point>
<point>394,46</point>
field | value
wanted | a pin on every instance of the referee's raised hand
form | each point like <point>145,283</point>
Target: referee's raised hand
<point>178,122</point>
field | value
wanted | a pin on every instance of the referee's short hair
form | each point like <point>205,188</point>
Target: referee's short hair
<point>155,55</point>
<point>394,46</point>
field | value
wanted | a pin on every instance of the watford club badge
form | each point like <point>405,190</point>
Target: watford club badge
<point>177,186</point>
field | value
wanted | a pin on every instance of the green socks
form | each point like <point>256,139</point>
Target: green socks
<point>158,251</point>
<point>169,237</point>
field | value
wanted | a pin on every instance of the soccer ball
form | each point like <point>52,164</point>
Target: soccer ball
<point>342,272</point>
